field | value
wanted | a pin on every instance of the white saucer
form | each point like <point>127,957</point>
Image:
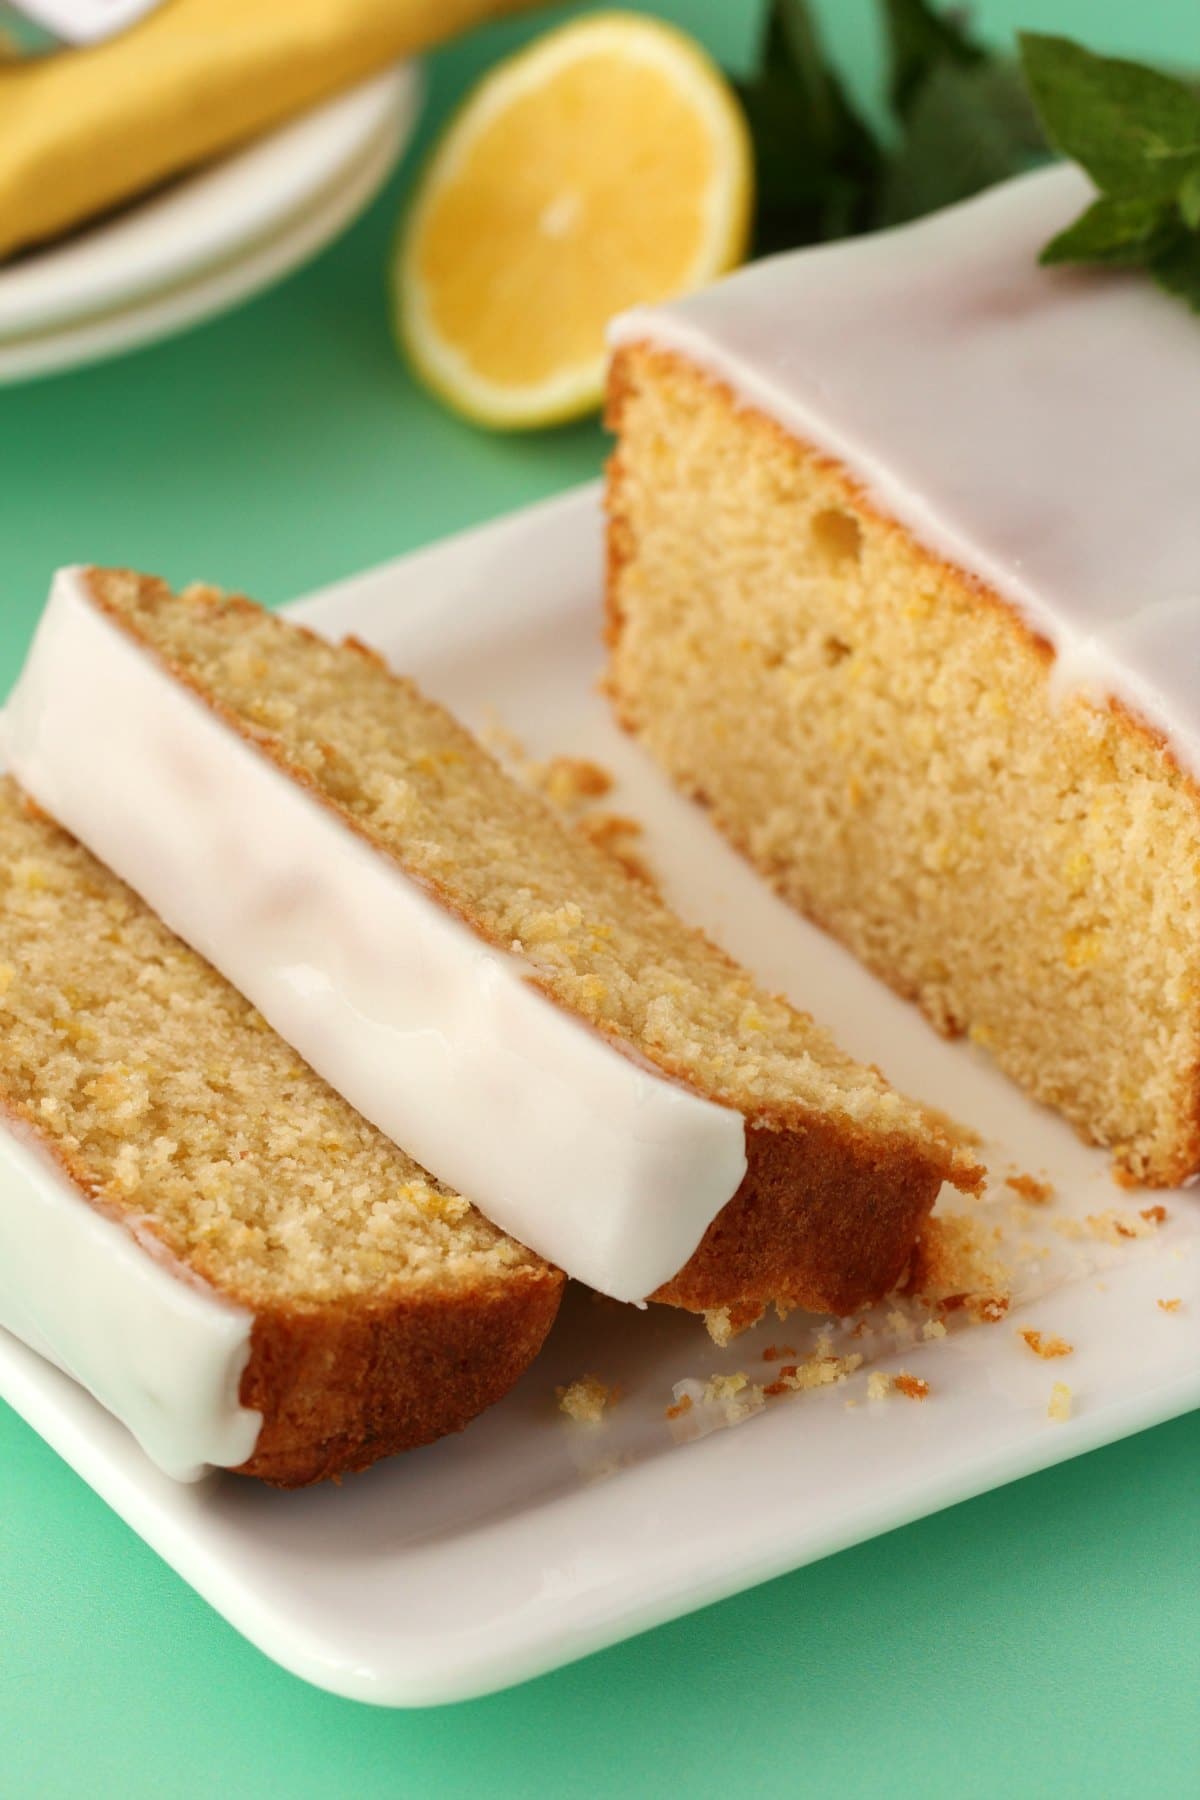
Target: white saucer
<point>529,1540</point>
<point>211,240</point>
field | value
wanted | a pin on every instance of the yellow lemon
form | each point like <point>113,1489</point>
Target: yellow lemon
<point>607,164</point>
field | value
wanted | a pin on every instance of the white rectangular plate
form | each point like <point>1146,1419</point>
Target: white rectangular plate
<point>531,1540</point>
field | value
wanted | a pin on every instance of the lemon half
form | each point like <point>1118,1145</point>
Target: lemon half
<point>607,164</point>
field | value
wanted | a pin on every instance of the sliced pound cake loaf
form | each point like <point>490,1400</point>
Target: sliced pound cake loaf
<point>904,566</point>
<point>200,1230</point>
<point>486,986</point>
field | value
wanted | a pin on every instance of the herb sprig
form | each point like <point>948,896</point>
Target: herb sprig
<point>962,119</point>
<point>1136,133</point>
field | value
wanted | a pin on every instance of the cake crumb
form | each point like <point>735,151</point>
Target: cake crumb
<point>586,1400</point>
<point>1169,1306</point>
<point>911,1386</point>
<point>568,780</point>
<point>613,833</point>
<point>569,783</point>
<point>737,1396</point>
<point>933,1328</point>
<point>1059,1408</point>
<point>1038,1193</point>
<point>724,1387</point>
<point>822,1369</point>
<point>777,1352</point>
<point>1113,1227</point>
<point>880,1384</point>
<point>1047,1347</point>
<point>724,1323</point>
<point>681,1406</point>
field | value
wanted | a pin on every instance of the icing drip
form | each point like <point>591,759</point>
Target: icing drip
<point>154,1345</point>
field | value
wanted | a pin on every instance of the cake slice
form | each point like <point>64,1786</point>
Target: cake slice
<point>489,988</point>
<point>904,584</point>
<point>198,1229</point>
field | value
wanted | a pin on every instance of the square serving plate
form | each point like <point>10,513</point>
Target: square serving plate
<point>530,1540</point>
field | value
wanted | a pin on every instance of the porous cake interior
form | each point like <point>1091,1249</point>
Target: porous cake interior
<point>876,732</point>
<point>178,1108</point>
<point>426,790</point>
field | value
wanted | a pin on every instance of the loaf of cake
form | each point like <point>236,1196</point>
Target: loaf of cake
<point>485,985</point>
<point>904,585</point>
<point>198,1229</point>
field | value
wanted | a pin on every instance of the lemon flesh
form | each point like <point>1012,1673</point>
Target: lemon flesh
<point>606,165</point>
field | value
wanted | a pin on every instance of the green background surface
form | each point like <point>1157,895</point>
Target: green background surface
<point>1044,1639</point>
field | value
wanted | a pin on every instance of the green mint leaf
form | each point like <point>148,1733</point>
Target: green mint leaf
<point>1176,267</point>
<point>794,50</point>
<point>1189,200</point>
<point>921,41</point>
<point>1121,230</point>
<point>816,162</point>
<point>967,128</point>
<point>1134,130</point>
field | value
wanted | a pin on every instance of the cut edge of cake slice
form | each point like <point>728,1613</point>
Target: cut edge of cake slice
<point>198,1229</point>
<point>480,981</point>
<point>1040,949</point>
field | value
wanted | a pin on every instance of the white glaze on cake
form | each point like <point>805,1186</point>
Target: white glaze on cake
<point>158,1348</point>
<point>593,1159</point>
<point>1037,427</point>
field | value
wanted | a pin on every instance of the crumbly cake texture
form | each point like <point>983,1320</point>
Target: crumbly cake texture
<point>842,1170</point>
<point>875,730</point>
<point>386,1310</point>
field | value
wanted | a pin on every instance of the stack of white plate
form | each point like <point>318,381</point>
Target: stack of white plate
<point>210,239</point>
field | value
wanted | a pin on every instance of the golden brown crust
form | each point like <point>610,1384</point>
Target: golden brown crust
<point>825,1219</point>
<point>339,1387</point>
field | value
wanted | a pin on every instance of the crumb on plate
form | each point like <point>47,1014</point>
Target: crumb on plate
<point>911,1386</point>
<point>821,1369</point>
<point>585,1400</point>
<point>1114,1227</point>
<point>1047,1346</point>
<point>1059,1408</point>
<point>1038,1193</point>
<point>568,780</point>
<point>614,834</point>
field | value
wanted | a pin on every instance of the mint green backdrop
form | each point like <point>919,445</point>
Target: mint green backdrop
<point>1041,1640</point>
